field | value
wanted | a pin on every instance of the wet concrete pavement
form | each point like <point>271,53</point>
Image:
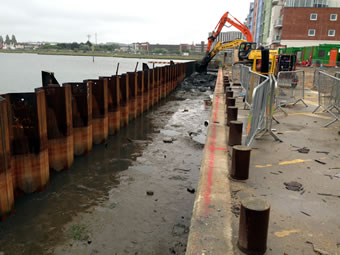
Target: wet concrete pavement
<point>305,221</point>
<point>128,196</point>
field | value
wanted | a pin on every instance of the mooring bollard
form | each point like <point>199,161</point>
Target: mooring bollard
<point>253,228</point>
<point>235,133</point>
<point>231,114</point>
<point>240,162</point>
<point>231,101</point>
<point>229,93</point>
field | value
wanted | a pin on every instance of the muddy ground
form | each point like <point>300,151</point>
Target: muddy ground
<point>132,195</point>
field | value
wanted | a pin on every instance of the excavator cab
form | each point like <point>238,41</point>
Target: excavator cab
<point>245,49</point>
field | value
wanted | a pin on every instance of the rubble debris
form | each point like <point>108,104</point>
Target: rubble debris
<point>303,150</point>
<point>235,209</point>
<point>294,186</point>
<point>149,192</point>
<point>320,162</point>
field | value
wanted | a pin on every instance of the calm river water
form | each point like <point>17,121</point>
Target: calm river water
<point>22,72</point>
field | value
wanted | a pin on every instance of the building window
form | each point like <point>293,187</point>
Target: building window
<point>314,16</point>
<point>334,17</point>
<point>311,32</point>
<point>331,32</point>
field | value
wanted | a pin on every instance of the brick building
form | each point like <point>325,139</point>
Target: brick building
<point>306,26</point>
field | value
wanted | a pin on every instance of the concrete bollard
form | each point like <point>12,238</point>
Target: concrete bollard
<point>231,114</point>
<point>6,182</point>
<point>124,99</point>
<point>29,147</point>
<point>235,133</point>
<point>253,228</point>
<point>113,103</point>
<point>59,126</point>
<point>240,162</point>
<point>231,101</point>
<point>132,83</point>
<point>100,119</point>
<point>229,93</point>
<point>81,117</point>
<point>140,93</point>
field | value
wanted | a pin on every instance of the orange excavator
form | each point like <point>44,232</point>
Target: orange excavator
<point>244,48</point>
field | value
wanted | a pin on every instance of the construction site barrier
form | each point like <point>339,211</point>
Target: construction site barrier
<point>59,126</point>
<point>81,116</point>
<point>6,184</point>
<point>290,88</point>
<point>29,147</point>
<point>44,130</point>
<point>329,95</point>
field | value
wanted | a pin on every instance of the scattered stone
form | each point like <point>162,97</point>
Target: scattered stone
<point>303,150</point>
<point>185,110</point>
<point>191,190</point>
<point>294,186</point>
<point>179,229</point>
<point>113,205</point>
<point>89,241</point>
<point>149,192</point>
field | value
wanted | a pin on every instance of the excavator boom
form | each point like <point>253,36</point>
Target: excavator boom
<point>232,21</point>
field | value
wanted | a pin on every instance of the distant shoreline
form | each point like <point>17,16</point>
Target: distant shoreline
<point>102,54</point>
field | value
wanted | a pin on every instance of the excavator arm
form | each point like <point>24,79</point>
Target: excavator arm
<point>203,64</point>
<point>232,21</point>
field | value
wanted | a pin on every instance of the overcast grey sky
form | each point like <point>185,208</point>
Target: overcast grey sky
<point>155,21</point>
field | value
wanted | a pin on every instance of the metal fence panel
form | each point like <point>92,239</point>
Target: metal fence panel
<point>291,86</point>
<point>329,95</point>
<point>258,107</point>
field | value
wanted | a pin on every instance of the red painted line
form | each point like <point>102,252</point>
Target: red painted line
<point>217,148</point>
<point>207,193</point>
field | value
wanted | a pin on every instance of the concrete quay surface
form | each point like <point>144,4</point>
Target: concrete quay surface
<point>305,221</point>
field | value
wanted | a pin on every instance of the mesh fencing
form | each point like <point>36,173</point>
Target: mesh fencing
<point>329,95</point>
<point>290,87</point>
